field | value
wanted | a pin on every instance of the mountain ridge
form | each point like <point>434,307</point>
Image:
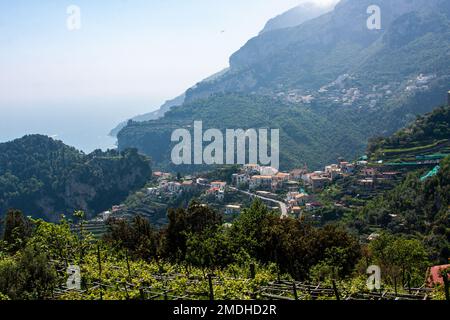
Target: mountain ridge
<point>296,16</point>
<point>331,68</point>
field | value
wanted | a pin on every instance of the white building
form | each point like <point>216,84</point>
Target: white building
<point>267,171</point>
<point>261,181</point>
<point>333,171</point>
<point>174,187</point>
<point>219,185</point>
<point>232,209</point>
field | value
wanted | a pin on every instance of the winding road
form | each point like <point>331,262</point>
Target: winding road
<point>283,207</point>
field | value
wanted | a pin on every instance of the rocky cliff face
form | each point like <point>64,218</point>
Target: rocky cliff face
<point>336,41</point>
<point>349,81</point>
<point>296,16</point>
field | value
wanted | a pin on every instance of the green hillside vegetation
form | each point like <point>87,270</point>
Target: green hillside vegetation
<point>427,136</point>
<point>415,203</point>
<point>46,178</point>
<point>415,208</point>
<point>304,135</point>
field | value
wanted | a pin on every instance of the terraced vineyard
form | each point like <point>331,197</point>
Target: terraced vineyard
<point>425,142</point>
<point>123,280</point>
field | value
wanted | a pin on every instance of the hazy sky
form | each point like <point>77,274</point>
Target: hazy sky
<point>128,58</point>
<point>151,49</point>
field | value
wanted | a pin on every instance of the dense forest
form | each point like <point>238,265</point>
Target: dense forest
<point>305,135</point>
<point>46,178</point>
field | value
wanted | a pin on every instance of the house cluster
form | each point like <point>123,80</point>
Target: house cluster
<point>218,189</point>
<point>345,91</point>
<point>168,186</point>
<point>296,200</point>
<point>370,177</point>
<point>420,83</point>
<point>317,180</point>
<point>260,177</point>
<point>105,215</point>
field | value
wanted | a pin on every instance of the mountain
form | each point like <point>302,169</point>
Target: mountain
<point>338,48</point>
<point>301,129</point>
<point>42,175</point>
<point>328,84</point>
<point>151,115</point>
<point>296,16</point>
<point>291,18</point>
<point>169,104</point>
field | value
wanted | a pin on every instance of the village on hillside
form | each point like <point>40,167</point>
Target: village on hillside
<point>299,193</point>
<point>347,91</point>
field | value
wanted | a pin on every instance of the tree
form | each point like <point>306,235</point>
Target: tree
<point>17,230</point>
<point>57,240</point>
<point>400,258</point>
<point>247,229</point>
<point>29,275</point>
<point>138,237</point>
<point>209,249</point>
<point>195,220</point>
<point>294,245</point>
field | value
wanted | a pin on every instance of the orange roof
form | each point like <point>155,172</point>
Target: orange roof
<point>284,174</point>
<point>262,177</point>
<point>318,178</point>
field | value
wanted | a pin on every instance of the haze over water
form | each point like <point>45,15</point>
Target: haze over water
<point>130,56</point>
<point>82,124</point>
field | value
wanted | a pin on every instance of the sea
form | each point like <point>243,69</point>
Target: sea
<point>84,124</point>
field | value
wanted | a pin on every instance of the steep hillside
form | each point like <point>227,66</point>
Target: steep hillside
<point>296,16</point>
<point>169,104</point>
<point>291,18</point>
<point>416,207</point>
<point>420,204</point>
<point>338,45</point>
<point>301,129</point>
<point>178,101</point>
<point>336,74</point>
<point>429,135</point>
<point>39,174</point>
